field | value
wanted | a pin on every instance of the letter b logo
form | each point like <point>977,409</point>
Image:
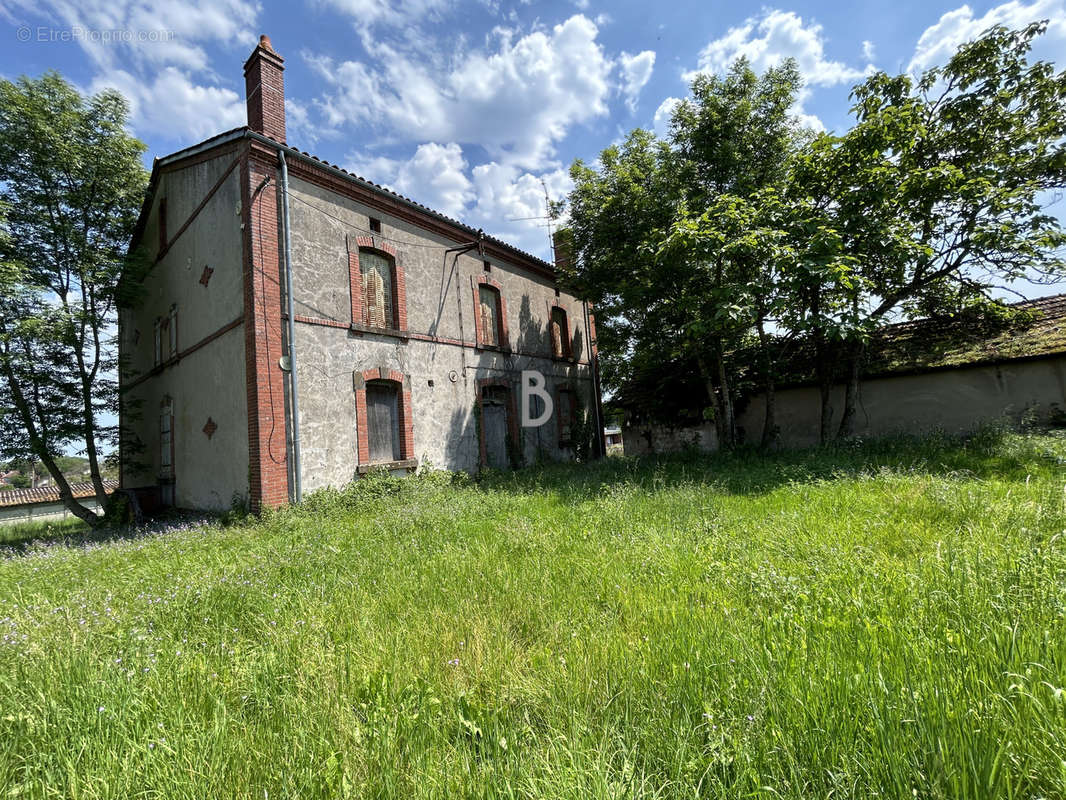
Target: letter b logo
<point>533,384</point>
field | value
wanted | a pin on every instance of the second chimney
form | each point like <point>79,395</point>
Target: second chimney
<point>264,83</point>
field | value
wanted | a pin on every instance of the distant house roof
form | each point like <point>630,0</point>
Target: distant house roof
<point>49,494</point>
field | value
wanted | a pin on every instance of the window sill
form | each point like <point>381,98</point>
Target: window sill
<point>406,463</point>
<point>494,348</point>
<point>359,329</point>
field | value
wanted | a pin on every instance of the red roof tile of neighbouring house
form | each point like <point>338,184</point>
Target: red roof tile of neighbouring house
<point>49,494</point>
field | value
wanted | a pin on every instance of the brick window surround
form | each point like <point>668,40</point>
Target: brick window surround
<point>479,335</point>
<point>355,282</point>
<point>406,419</point>
<point>512,414</point>
<point>566,333</point>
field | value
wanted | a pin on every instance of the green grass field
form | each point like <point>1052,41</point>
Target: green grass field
<point>886,620</point>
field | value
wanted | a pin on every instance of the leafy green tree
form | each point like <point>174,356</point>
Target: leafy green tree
<point>935,192</point>
<point>71,182</point>
<point>643,228</point>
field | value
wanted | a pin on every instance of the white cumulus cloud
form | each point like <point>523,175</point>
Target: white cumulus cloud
<point>155,54</point>
<point>516,101</point>
<point>769,39</point>
<point>663,114</point>
<point>172,102</point>
<point>434,176</point>
<point>636,71</point>
<point>939,41</point>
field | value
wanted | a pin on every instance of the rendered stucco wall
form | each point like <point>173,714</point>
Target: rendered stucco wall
<point>954,401</point>
<point>440,308</point>
<point>208,382</point>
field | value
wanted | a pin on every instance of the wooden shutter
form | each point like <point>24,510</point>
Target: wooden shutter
<point>383,428</point>
<point>377,289</point>
<point>490,314</point>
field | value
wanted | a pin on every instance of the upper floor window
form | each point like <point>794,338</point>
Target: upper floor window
<point>490,329</point>
<point>379,290</point>
<point>560,333</point>
<point>376,281</point>
<point>172,331</point>
<point>157,331</point>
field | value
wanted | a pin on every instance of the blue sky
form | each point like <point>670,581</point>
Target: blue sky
<point>473,108</point>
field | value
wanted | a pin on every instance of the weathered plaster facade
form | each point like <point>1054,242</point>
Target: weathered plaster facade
<point>204,376</point>
<point>221,206</point>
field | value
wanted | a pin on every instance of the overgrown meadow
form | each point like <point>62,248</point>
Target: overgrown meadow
<point>873,620</point>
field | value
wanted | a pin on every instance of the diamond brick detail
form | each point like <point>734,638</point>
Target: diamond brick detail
<point>206,277</point>
<point>210,427</point>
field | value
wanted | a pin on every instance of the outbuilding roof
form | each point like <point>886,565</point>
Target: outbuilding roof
<point>49,494</point>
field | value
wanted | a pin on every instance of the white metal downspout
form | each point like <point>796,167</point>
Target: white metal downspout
<point>293,380</point>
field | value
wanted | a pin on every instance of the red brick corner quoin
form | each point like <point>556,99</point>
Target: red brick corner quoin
<point>268,469</point>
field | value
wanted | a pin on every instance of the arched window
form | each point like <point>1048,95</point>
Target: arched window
<point>490,314</point>
<point>499,439</point>
<point>489,308</point>
<point>379,290</point>
<point>384,425</point>
<point>560,333</point>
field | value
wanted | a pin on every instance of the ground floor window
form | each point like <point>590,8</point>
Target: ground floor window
<point>383,420</point>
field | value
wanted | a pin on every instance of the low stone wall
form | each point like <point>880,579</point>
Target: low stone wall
<point>951,400</point>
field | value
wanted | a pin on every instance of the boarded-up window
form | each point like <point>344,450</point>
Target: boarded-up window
<point>496,420</point>
<point>567,411</point>
<point>489,308</point>
<point>377,289</point>
<point>172,328</point>
<point>560,333</point>
<point>383,420</point>
<point>166,437</point>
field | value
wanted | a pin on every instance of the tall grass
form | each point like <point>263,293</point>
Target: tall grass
<point>874,620</point>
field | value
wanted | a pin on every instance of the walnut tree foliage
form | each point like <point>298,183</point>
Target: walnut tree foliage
<point>741,234</point>
<point>71,186</point>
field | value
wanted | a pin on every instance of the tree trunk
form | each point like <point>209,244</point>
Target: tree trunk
<point>729,422</point>
<point>825,387</point>
<point>714,396</point>
<point>37,445</point>
<point>851,390</point>
<point>770,433</point>
<point>716,380</point>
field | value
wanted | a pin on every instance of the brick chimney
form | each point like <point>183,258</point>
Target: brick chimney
<point>264,83</point>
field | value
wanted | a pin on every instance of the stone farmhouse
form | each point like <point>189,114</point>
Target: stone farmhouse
<point>298,326</point>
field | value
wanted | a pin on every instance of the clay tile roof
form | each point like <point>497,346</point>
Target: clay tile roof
<point>49,494</point>
<point>1035,328</point>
